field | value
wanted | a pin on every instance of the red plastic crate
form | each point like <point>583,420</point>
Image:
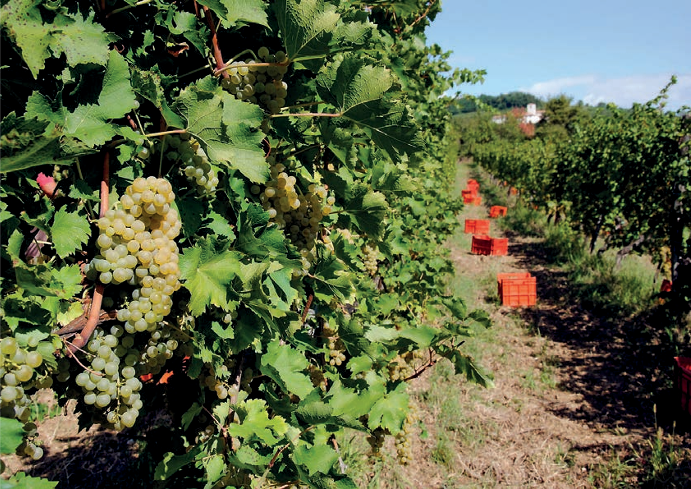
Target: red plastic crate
<point>497,211</point>
<point>477,226</point>
<point>682,382</point>
<point>517,289</point>
<point>484,245</point>
<point>473,185</point>
<point>468,193</point>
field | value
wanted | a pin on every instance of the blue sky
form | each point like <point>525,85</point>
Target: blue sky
<point>596,51</point>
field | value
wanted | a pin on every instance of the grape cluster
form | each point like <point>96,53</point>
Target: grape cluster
<point>110,383</point>
<point>18,375</point>
<point>317,377</point>
<point>298,214</point>
<point>137,243</point>
<point>195,163</point>
<point>254,81</point>
<point>403,366</point>
<point>404,449</point>
<point>137,247</point>
<point>376,440</point>
<point>336,347</point>
<point>370,253</point>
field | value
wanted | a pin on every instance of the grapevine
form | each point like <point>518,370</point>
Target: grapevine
<point>188,196</point>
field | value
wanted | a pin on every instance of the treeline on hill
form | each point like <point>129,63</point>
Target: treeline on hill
<point>621,178</point>
<point>233,212</point>
<point>502,102</point>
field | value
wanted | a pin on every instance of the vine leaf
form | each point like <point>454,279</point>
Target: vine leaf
<point>238,11</point>
<point>81,40</point>
<point>285,366</point>
<point>89,122</point>
<point>306,26</point>
<point>256,424</point>
<point>207,274</point>
<point>463,364</point>
<point>367,209</point>
<point>359,92</point>
<point>317,459</point>
<point>390,410</point>
<point>227,128</point>
<point>22,481</point>
<point>38,147</point>
<point>69,232</point>
<point>11,435</point>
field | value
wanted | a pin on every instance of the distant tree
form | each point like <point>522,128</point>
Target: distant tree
<point>560,118</point>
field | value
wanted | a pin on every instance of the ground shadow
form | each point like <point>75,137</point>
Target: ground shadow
<point>621,366</point>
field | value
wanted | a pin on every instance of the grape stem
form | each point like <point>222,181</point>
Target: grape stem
<point>432,361</point>
<point>69,347</point>
<point>240,65</point>
<point>78,324</point>
<point>83,336</point>
<point>123,9</point>
<point>307,114</point>
<point>214,41</point>
<point>307,308</point>
<point>165,133</point>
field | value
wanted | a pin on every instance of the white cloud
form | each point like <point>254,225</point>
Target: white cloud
<point>623,91</point>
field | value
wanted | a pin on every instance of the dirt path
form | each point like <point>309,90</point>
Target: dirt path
<point>572,407</point>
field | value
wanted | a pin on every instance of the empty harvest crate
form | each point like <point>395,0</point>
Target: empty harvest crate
<point>497,211</point>
<point>477,226</point>
<point>472,185</point>
<point>682,382</point>
<point>516,289</point>
<point>472,199</point>
<point>484,245</point>
<point>468,193</point>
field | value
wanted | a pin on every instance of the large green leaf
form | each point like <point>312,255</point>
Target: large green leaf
<point>306,26</point>
<point>11,435</point>
<point>39,148</point>
<point>367,209</point>
<point>206,273</point>
<point>350,81</point>
<point>255,423</point>
<point>239,11</point>
<point>227,128</point>
<point>390,410</point>
<point>317,459</point>
<point>287,366</point>
<point>81,40</point>
<point>358,90</point>
<point>69,232</point>
<point>89,123</point>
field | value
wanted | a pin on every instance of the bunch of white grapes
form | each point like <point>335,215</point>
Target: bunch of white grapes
<point>298,214</point>
<point>195,163</point>
<point>111,382</point>
<point>370,253</point>
<point>336,347</point>
<point>254,81</point>
<point>404,448</point>
<point>18,375</point>
<point>403,366</point>
<point>137,247</point>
